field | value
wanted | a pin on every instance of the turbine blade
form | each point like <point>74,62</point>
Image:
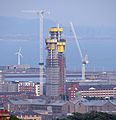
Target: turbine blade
<point>20,50</point>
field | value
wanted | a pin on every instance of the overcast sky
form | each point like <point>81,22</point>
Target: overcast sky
<point>81,12</point>
<point>100,13</point>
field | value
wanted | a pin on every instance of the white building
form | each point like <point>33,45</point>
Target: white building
<point>37,89</point>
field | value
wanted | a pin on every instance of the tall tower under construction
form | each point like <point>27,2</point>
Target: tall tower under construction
<point>55,64</point>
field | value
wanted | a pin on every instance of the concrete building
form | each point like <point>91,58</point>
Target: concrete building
<point>1,76</point>
<point>16,95</point>
<point>19,67</point>
<point>55,64</point>
<point>6,86</point>
<point>37,89</point>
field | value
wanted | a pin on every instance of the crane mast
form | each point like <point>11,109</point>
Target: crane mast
<point>41,57</point>
<point>41,61</point>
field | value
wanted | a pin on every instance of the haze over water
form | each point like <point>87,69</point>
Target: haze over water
<point>95,23</point>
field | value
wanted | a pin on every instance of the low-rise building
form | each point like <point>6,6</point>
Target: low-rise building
<point>1,76</point>
<point>27,115</point>
<point>72,90</point>
<point>98,91</point>
<point>16,95</point>
<point>57,108</point>
<point>26,87</point>
<point>8,86</point>
<point>4,114</point>
<point>83,106</point>
<point>37,89</point>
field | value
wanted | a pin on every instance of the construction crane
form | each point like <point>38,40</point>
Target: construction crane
<point>83,58</point>
<point>41,59</point>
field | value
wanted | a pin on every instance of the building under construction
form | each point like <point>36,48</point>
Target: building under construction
<point>55,64</point>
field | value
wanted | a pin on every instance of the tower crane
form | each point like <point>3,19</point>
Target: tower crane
<point>41,61</point>
<point>41,58</point>
<point>83,58</point>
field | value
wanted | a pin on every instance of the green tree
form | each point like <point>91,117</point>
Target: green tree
<point>12,117</point>
<point>91,116</point>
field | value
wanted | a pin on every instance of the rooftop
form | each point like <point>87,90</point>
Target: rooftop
<point>28,101</point>
<point>97,87</point>
<point>95,102</point>
<point>24,113</point>
<point>58,103</point>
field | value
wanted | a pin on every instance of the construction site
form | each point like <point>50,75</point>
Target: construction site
<point>55,63</point>
<point>57,91</point>
<point>57,59</point>
<point>63,92</point>
<point>52,74</point>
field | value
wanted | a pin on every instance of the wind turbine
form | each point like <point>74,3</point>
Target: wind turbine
<point>84,58</point>
<point>19,56</point>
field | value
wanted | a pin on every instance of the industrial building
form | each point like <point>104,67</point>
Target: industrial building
<point>57,108</point>
<point>55,64</point>
<point>84,106</point>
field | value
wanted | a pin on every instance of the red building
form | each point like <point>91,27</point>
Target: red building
<point>26,87</point>
<point>72,90</point>
<point>4,115</point>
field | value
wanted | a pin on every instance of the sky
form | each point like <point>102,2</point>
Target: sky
<point>81,12</point>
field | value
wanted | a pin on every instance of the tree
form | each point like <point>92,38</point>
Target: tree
<point>91,116</point>
<point>12,117</point>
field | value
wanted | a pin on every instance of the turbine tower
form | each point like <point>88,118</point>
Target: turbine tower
<point>19,56</point>
<point>83,58</point>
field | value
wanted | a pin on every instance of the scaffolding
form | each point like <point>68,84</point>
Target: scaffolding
<point>55,63</point>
